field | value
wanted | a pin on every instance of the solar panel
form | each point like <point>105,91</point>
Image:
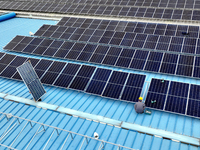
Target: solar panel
<point>177,97</point>
<point>112,90</point>
<point>99,81</point>
<point>176,104</point>
<point>159,86</point>
<point>176,64</point>
<point>155,100</point>
<point>31,80</point>
<point>155,40</point>
<point>8,71</point>
<point>158,9</point>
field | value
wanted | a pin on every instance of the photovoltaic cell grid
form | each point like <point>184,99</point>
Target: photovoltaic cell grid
<point>31,80</point>
<point>160,37</point>
<point>125,26</point>
<point>190,4</point>
<point>110,10</point>
<point>174,96</point>
<point>104,82</point>
<point>176,64</point>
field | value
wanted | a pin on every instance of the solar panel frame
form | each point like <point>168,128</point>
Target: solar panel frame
<point>31,80</point>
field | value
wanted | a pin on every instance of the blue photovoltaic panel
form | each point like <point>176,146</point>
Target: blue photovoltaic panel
<point>129,58</point>
<point>196,72</point>
<point>155,100</point>
<point>131,94</point>
<point>43,64</point>
<point>72,55</point>
<point>178,89</point>
<point>176,104</point>
<point>155,56</point>
<point>123,62</point>
<point>31,80</point>
<point>118,77</point>
<point>159,86</point>
<point>186,60</point>
<point>137,64</point>
<point>18,61</point>
<point>170,58</point>
<point>71,69</point>
<point>96,87</point>
<point>112,90</point>
<point>64,80</point>
<point>105,82</point>
<point>184,70</point>
<point>1,54</point>
<point>8,72</point>
<point>101,74</point>
<point>98,82</point>
<point>79,83</point>
<point>197,62</point>
<point>194,92</point>
<point>152,66</point>
<point>168,68</point>
<point>49,77</point>
<point>135,80</point>
<point>84,56</point>
<point>109,60</point>
<point>193,108</point>
<point>96,58</point>
<point>2,67</point>
<point>86,71</point>
<point>6,59</point>
<point>57,66</point>
<point>176,99</point>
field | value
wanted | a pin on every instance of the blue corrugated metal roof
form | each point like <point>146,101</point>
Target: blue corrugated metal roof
<point>93,104</point>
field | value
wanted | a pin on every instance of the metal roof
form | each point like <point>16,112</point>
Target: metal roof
<point>91,104</point>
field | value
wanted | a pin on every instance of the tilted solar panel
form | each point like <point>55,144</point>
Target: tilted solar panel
<point>31,80</point>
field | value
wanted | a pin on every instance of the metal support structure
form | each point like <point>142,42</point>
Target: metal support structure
<point>85,138</point>
<point>118,148</point>
<point>7,146</point>
<point>101,146</point>
<point>49,139</point>
<point>18,121</point>
<point>146,87</point>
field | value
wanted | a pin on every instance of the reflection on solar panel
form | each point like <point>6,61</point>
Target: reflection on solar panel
<point>162,62</point>
<point>173,96</point>
<point>31,80</point>
<point>89,79</point>
<point>157,9</point>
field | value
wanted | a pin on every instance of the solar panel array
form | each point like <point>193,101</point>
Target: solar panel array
<point>161,37</point>
<point>183,11</point>
<point>105,82</point>
<point>176,64</point>
<point>190,4</point>
<point>130,26</point>
<point>174,96</point>
<point>31,80</point>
